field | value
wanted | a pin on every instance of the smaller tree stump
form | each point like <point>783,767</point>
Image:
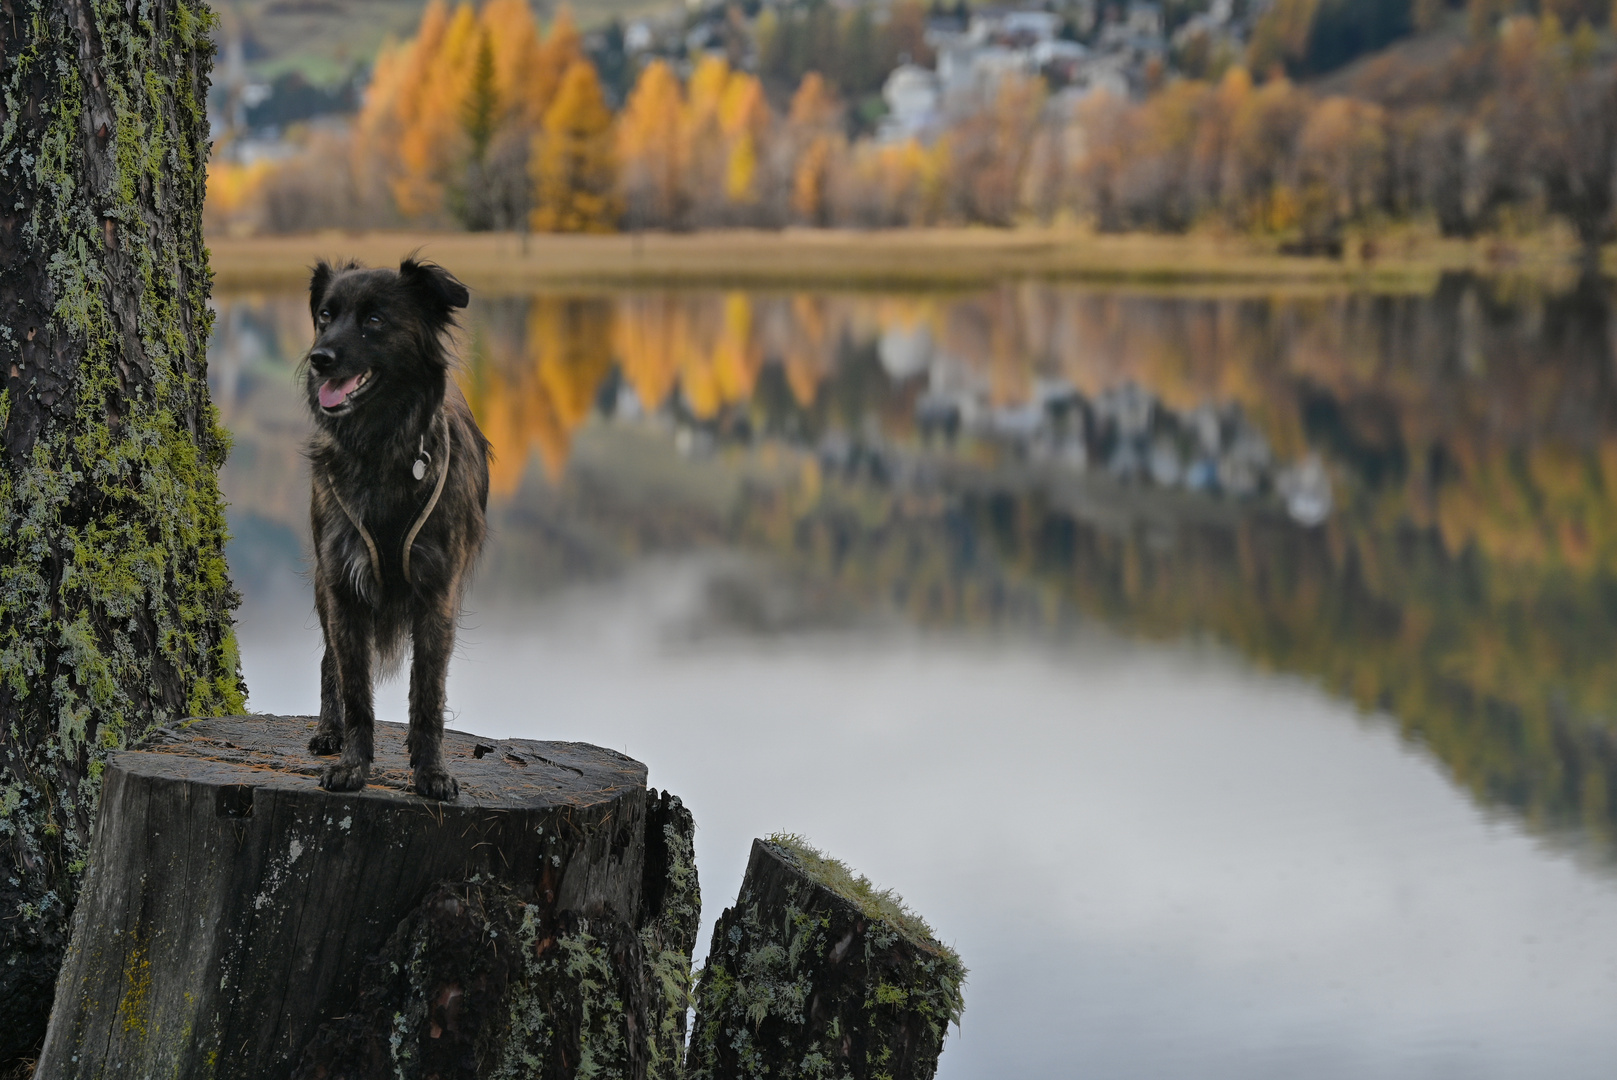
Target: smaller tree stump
<point>816,973</point>
<point>237,921</point>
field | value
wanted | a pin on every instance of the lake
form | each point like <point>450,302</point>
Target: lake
<point>1227,677</point>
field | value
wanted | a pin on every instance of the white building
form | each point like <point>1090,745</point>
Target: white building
<point>912,98</point>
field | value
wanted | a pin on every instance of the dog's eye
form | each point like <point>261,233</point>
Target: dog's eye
<point>325,315</point>
<point>374,320</point>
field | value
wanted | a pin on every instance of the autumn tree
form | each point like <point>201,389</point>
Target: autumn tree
<point>1342,155</point>
<point>451,114</point>
<point>850,48</point>
<point>1260,191</point>
<point>1570,121</point>
<point>651,149</point>
<point>745,120</point>
<point>574,161</point>
<point>725,120</point>
<point>989,149</point>
<point>888,185</point>
<point>813,144</point>
<point>115,603</point>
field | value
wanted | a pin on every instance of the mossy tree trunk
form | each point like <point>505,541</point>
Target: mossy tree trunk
<point>114,600</point>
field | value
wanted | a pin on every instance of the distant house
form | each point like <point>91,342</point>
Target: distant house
<point>1110,74</point>
<point>1028,27</point>
<point>1215,22</point>
<point>637,37</point>
<point>1059,58</point>
<point>967,71</point>
<point>997,41</point>
<point>912,97</point>
<point>1140,29</point>
<point>1145,19</point>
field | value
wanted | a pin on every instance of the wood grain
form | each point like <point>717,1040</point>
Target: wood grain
<point>231,904</point>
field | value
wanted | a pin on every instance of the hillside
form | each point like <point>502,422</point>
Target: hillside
<point>323,40</point>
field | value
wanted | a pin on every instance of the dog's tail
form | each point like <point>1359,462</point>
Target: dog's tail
<point>388,648</point>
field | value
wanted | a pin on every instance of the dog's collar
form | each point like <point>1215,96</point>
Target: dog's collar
<point>421,519</point>
<point>432,503</point>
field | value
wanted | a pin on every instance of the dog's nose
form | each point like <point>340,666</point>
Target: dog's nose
<point>322,360</point>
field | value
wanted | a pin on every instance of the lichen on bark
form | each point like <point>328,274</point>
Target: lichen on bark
<point>114,597</point>
<point>484,980</point>
<point>815,973</point>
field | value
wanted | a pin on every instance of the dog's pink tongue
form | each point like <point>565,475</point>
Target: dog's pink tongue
<point>334,393</point>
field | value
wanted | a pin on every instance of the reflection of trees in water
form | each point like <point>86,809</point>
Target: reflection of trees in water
<point>1511,687</point>
<point>1483,414</point>
<point>1467,584</point>
<point>1466,579</point>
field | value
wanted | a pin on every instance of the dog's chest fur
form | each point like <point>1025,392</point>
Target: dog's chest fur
<point>376,485</point>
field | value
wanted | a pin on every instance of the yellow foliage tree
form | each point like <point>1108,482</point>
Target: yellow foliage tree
<point>438,100</point>
<point>651,150</point>
<point>744,118</point>
<point>815,145</point>
<point>574,161</point>
<point>570,343</point>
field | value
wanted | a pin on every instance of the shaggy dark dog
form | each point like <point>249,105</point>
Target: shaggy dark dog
<point>400,475</point>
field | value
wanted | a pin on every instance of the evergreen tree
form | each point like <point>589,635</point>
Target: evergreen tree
<point>481,109</point>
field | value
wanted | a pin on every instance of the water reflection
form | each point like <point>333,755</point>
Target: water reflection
<point>1057,451</point>
<point>887,550</point>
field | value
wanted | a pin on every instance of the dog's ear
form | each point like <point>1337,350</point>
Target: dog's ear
<point>319,281</point>
<point>435,288</point>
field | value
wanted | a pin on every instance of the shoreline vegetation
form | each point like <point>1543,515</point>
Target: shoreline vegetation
<point>902,259</point>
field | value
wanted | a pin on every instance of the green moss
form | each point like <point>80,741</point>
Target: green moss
<point>135,1004</point>
<point>876,977</point>
<point>568,983</point>
<point>880,904</point>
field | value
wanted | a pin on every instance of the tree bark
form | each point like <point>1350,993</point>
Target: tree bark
<point>238,921</point>
<point>114,600</point>
<point>814,972</point>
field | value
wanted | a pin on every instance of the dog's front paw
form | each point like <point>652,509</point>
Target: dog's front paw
<point>325,742</point>
<point>434,782</point>
<point>344,776</point>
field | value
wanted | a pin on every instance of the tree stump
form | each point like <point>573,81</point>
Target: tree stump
<point>816,973</point>
<point>238,921</point>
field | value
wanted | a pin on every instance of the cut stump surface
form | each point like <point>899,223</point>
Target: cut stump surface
<point>231,905</point>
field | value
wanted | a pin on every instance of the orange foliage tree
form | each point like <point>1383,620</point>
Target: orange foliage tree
<point>696,155</point>
<point>574,160</point>
<point>651,148</point>
<point>815,144</point>
<point>451,113</point>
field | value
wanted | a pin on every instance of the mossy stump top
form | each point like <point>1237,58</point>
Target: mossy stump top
<point>231,904</point>
<point>816,973</point>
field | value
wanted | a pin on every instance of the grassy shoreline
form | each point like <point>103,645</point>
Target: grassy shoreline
<point>893,259</point>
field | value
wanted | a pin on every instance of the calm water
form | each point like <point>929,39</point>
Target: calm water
<point>1228,679</point>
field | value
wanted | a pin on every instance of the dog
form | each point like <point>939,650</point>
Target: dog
<point>400,494</point>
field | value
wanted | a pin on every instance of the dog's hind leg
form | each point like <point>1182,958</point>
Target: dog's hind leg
<point>433,640</point>
<point>328,736</point>
<point>349,636</point>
